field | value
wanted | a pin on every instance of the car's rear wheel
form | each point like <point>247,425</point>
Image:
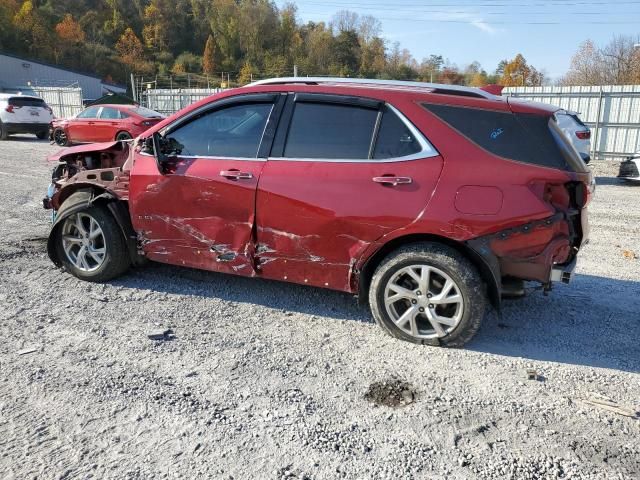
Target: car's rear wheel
<point>3,132</point>
<point>42,135</point>
<point>121,136</point>
<point>91,246</point>
<point>428,293</point>
<point>60,137</point>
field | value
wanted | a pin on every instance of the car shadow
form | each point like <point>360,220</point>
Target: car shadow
<point>592,322</point>
<point>26,138</point>
<point>615,181</point>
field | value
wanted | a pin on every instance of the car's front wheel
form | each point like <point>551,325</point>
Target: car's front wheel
<point>60,137</point>
<point>428,293</point>
<point>91,246</point>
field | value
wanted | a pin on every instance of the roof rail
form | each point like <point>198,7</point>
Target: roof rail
<point>434,87</point>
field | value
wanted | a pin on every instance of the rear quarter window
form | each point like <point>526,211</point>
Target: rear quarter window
<point>523,137</point>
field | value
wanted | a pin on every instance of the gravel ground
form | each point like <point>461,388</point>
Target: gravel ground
<point>265,380</point>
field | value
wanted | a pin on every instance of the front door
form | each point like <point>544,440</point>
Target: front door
<point>345,172</point>
<point>201,212</point>
<point>81,128</point>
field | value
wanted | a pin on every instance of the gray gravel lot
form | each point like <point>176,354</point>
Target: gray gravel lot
<point>267,380</point>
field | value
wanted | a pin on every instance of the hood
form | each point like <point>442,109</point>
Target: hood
<point>61,155</point>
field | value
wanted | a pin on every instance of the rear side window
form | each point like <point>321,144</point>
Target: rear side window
<point>522,137</point>
<point>235,131</point>
<point>394,140</point>
<point>27,102</point>
<point>109,113</point>
<point>331,131</point>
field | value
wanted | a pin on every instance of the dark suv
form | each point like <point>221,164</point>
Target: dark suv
<point>426,200</point>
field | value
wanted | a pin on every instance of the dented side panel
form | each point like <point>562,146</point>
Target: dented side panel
<point>316,219</point>
<point>194,216</point>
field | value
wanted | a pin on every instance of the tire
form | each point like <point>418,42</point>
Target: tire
<point>60,138</point>
<point>42,135</point>
<point>3,132</point>
<point>115,259</point>
<point>123,136</point>
<point>462,305</point>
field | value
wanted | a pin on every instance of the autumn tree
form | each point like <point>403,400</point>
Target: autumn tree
<point>131,52</point>
<point>31,28</point>
<point>208,57</point>
<point>518,73</point>
<point>246,74</point>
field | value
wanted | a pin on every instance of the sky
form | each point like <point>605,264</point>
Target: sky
<point>546,32</point>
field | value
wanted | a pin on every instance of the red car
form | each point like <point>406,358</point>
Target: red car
<point>428,201</point>
<point>104,123</point>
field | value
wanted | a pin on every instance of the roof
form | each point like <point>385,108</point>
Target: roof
<point>366,82</point>
<point>113,98</point>
<point>11,95</point>
<point>60,67</point>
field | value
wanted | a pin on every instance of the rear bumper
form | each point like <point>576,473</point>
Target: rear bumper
<point>26,127</point>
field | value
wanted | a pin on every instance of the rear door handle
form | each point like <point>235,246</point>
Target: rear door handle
<point>235,174</point>
<point>392,181</point>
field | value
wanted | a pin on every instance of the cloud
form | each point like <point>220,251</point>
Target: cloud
<point>470,17</point>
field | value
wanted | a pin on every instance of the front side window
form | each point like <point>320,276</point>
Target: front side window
<point>330,131</point>
<point>91,112</point>
<point>395,140</point>
<point>234,131</point>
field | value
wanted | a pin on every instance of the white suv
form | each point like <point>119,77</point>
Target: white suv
<point>24,114</point>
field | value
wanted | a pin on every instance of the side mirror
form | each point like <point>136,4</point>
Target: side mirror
<point>157,151</point>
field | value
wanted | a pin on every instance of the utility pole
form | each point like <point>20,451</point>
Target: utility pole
<point>295,70</point>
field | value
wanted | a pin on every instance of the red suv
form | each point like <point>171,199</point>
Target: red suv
<point>103,123</point>
<point>426,200</point>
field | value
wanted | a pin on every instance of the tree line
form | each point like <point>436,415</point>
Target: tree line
<point>245,39</point>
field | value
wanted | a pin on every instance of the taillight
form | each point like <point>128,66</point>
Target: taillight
<point>147,123</point>
<point>585,135</point>
<point>9,108</point>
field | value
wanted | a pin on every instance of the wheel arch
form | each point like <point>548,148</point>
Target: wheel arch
<point>487,271</point>
<point>122,131</point>
<point>82,196</point>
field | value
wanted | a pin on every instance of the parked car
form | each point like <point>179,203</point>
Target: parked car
<point>427,201</point>
<point>579,134</point>
<point>24,114</point>
<point>104,123</point>
<point>630,168</point>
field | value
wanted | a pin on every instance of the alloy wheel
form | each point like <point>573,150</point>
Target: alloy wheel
<point>423,301</point>
<point>83,242</point>
<point>59,137</point>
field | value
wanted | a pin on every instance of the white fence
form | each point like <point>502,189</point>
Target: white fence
<point>611,111</point>
<point>64,101</point>
<point>168,101</point>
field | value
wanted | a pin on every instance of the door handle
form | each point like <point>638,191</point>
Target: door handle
<point>235,174</point>
<point>392,181</point>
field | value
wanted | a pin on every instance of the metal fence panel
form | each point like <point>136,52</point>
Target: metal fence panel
<point>168,101</point>
<point>64,101</point>
<point>611,111</point>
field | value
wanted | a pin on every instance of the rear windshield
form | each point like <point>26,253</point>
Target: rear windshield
<point>522,137</point>
<point>145,112</point>
<point>578,121</point>
<point>26,102</point>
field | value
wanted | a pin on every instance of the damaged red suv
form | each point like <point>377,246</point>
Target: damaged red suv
<point>429,201</point>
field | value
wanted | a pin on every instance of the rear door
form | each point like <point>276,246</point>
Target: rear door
<point>200,211</point>
<point>344,171</point>
<point>81,128</point>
